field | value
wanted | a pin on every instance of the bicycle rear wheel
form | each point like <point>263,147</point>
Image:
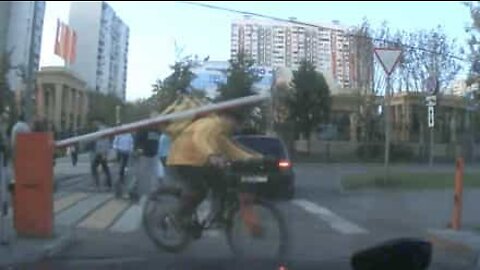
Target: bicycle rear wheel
<point>159,222</point>
<point>271,244</point>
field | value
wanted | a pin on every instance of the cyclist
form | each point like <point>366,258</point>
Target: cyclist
<point>198,147</point>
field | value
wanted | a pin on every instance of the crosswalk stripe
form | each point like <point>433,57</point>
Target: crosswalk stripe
<point>60,194</point>
<point>76,213</point>
<point>105,215</point>
<point>67,201</point>
<point>129,221</point>
<point>335,222</point>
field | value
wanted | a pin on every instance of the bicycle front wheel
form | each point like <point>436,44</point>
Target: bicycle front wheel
<point>268,241</point>
<point>159,220</point>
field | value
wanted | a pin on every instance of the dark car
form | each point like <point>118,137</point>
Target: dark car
<point>280,176</point>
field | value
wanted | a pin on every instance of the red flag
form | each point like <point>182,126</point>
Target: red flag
<point>57,39</point>
<point>62,41</point>
<point>66,44</point>
<point>73,53</point>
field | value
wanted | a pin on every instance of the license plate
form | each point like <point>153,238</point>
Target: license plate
<point>254,179</point>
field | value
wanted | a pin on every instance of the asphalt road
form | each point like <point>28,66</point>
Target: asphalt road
<point>326,226</point>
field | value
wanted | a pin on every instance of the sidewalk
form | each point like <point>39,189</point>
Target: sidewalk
<point>25,249</point>
<point>449,244</point>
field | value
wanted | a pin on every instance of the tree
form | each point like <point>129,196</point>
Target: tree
<point>425,53</point>
<point>474,43</point>
<point>240,81</point>
<point>179,82</point>
<point>102,107</point>
<point>137,110</point>
<point>6,95</point>
<point>309,102</point>
<point>362,46</point>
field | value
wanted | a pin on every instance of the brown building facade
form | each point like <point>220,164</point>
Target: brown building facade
<point>64,98</point>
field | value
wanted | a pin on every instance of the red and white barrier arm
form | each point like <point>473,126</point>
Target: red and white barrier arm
<point>192,113</point>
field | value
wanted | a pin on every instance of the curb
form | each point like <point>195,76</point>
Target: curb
<point>24,250</point>
<point>466,243</point>
<point>63,242</point>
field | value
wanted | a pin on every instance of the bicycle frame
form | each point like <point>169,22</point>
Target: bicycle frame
<point>233,198</point>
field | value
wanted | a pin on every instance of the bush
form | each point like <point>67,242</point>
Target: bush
<point>401,152</point>
<point>367,151</point>
<point>398,152</point>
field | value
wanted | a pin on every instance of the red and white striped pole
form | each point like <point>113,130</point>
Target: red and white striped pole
<point>192,113</point>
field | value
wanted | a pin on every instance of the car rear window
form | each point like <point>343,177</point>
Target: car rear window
<point>265,146</point>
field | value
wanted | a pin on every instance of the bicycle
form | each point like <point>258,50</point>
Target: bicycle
<point>239,177</point>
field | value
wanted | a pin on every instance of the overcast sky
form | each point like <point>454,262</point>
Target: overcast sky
<point>155,26</point>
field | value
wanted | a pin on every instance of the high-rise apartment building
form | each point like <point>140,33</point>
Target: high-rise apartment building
<point>102,47</point>
<point>285,44</point>
<point>21,28</point>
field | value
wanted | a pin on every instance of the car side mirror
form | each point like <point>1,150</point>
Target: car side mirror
<point>403,253</point>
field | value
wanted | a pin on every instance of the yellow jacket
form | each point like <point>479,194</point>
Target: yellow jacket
<point>204,137</point>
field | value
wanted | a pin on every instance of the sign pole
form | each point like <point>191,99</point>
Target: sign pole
<point>430,160</point>
<point>388,58</point>
<point>387,127</point>
<point>431,85</point>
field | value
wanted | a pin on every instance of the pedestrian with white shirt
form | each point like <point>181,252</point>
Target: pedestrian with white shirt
<point>123,144</point>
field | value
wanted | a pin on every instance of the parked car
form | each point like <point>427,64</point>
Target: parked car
<point>280,176</point>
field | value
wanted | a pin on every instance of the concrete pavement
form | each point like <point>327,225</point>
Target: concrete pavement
<point>112,230</point>
<point>326,225</point>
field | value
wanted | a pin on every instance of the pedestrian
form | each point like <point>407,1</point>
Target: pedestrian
<point>164,148</point>
<point>74,149</point>
<point>20,126</point>
<point>163,151</point>
<point>146,147</point>
<point>123,145</point>
<point>100,157</point>
<point>74,154</point>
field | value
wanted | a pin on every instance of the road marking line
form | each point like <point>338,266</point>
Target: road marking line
<point>336,222</point>
<point>104,216</point>
<point>69,200</point>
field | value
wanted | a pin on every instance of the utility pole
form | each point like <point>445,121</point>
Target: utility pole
<point>30,75</point>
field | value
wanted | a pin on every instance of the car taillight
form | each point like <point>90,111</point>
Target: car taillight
<point>284,164</point>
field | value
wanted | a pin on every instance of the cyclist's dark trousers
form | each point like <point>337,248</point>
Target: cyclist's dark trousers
<point>123,163</point>
<point>195,182</point>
